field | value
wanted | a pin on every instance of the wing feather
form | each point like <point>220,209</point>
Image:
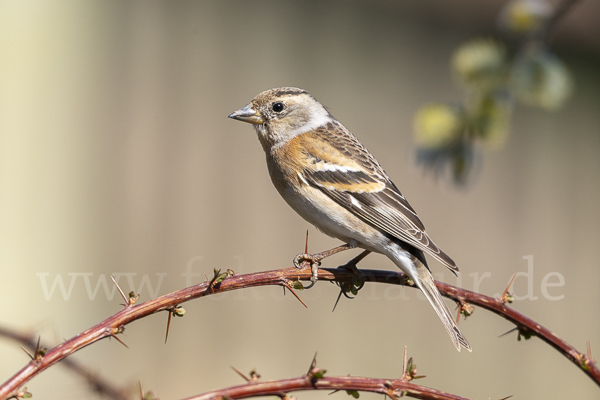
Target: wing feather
<point>360,185</point>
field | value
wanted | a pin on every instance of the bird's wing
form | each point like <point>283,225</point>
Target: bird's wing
<point>342,168</point>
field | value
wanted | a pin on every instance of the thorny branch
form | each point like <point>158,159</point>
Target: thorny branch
<point>288,277</point>
<point>315,379</point>
<point>96,382</point>
<point>393,388</point>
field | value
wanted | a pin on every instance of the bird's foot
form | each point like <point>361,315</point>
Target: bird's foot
<point>351,266</point>
<point>304,260</point>
<point>359,278</point>
<point>314,260</point>
<point>309,260</point>
<point>350,287</point>
<point>356,284</point>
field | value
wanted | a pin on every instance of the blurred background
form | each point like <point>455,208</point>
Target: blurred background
<point>117,157</point>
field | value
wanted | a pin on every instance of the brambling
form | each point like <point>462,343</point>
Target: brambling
<point>328,177</point>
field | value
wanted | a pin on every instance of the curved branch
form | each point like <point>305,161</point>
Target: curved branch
<point>526,325</point>
<point>96,382</point>
<point>393,388</point>
<point>115,324</point>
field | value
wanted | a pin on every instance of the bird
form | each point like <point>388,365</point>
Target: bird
<point>331,180</point>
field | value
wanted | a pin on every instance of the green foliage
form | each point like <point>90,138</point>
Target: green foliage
<point>178,311</point>
<point>318,373</point>
<point>466,310</point>
<point>297,285</point>
<point>480,64</point>
<point>438,125</point>
<point>525,334</point>
<point>23,394</point>
<point>539,78</point>
<point>221,276</point>
<point>411,371</point>
<point>523,17</point>
<point>495,75</point>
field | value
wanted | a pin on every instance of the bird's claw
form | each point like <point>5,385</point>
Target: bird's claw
<point>301,259</point>
<point>351,266</point>
<point>313,261</point>
<point>356,285</point>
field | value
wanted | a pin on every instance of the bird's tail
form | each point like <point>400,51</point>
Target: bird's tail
<point>420,274</point>
<point>425,282</point>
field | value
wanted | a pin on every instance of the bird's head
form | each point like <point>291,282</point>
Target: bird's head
<point>282,113</point>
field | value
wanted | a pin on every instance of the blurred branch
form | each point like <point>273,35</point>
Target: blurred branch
<point>97,383</point>
<point>394,388</point>
<point>315,379</point>
<point>288,278</point>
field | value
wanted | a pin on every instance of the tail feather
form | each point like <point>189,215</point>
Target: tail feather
<point>413,263</point>
<point>425,282</point>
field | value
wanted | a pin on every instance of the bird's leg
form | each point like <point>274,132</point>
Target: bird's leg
<point>351,266</point>
<point>314,260</point>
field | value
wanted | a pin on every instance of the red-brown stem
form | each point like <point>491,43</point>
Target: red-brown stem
<point>281,277</point>
<point>281,387</point>
<point>96,382</point>
<point>497,306</point>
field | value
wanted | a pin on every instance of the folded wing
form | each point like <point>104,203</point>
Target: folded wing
<point>360,185</point>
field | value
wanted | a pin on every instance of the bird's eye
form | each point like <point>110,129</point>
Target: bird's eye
<point>278,106</point>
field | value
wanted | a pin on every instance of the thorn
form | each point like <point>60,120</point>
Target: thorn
<point>313,364</point>
<point>589,348</point>
<point>240,373</point>
<point>120,291</point>
<point>26,352</point>
<point>119,340</point>
<point>587,361</point>
<point>507,397</point>
<point>516,328</point>
<point>168,325</point>
<point>40,351</point>
<point>176,311</point>
<point>338,299</point>
<point>38,355</point>
<point>289,286</point>
<point>509,285</point>
<point>306,245</point>
<point>458,315</point>
<point>140,389</point>
<point>506,297</point>
<point>405,364</point>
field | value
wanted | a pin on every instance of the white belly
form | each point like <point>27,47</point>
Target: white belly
<point>332,219</point>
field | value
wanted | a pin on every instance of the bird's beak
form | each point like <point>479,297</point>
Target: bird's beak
<point>247,114</point>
